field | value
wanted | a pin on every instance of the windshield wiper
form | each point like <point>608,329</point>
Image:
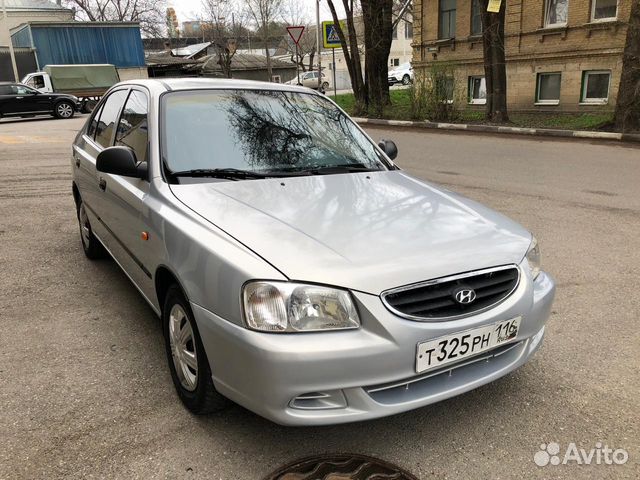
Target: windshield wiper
<point>227,173</point>
<point>344,168</point>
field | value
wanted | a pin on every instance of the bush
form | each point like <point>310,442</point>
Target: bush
<point>435,95</point>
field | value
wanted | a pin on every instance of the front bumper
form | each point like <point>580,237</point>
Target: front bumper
<point>367,373</point>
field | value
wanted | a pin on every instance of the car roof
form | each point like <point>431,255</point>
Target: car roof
<point>177,84</point>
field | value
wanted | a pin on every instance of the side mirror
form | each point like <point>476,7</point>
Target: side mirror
<point>121,161</point>
<point>389,147</point>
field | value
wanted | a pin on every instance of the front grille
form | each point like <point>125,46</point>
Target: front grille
<point>435,299</point>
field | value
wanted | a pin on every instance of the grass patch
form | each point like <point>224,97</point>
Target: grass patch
<point>400,109</point>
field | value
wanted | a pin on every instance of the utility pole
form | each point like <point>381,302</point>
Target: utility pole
<point>12,54</point>
<point>319,42</point>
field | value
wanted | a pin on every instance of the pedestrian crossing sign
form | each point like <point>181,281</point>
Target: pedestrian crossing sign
<point>330,36</point>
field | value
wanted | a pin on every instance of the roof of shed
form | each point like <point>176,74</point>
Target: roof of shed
<point>245,61</point>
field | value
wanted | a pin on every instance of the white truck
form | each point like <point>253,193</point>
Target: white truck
<point>87,82</point>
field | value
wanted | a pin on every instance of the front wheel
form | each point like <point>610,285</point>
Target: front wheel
<point>188,362</point>
<point>64,109</point>
<point>325,86</point>
<point>406,80</point>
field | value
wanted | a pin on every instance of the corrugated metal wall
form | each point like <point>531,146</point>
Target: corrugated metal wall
<point>22,38</point>
<point>63,45</point>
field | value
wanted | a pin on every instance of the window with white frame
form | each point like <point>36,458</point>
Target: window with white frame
<point>548,89</point>
<point>604,10</point>
<point>477,90</point>
<point>556,13</point>
<point>595,86</point>
<point>395,62</point>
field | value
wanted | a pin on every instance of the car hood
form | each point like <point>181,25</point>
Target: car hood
<point>363,231</point>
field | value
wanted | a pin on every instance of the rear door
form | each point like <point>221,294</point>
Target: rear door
<point>15,100</point>
<point>100,133</point>
<point>6,99</point>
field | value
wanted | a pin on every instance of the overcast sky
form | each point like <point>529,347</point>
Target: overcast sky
<point>191,9</point>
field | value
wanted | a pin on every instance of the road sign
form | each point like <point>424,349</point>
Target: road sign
<point>330,38</point>
<point>295,33</point>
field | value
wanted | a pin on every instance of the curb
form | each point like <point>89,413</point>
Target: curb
<point>544,132</point>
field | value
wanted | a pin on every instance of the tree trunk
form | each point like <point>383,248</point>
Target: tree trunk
<point>378,30</point>
<point>351,55</point>
<point>495,67</point>
<point>627,115</point>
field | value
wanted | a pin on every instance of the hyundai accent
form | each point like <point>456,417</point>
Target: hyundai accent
<point>297,271</point>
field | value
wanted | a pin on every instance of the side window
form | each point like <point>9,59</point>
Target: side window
<point>91,131</point>
<point>132,129</point>
<point>6,90</point>
<point>24,90</point>
<point>108,117</point>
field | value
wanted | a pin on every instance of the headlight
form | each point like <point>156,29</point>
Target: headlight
<point>534,259</point>
<point>296,307</point>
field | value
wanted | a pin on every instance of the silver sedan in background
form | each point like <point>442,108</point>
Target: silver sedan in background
<point>297,271</point>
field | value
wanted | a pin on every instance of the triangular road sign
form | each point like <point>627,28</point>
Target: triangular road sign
<point>333,36</point>
<point>295,33</point>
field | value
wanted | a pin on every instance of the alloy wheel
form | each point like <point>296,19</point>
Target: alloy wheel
<point>183,348</point>
<point>85,227</point>
<point>64,110</point>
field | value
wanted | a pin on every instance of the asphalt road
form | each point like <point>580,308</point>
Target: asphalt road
<point>85,391</point>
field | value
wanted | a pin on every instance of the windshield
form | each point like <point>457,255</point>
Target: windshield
<point>260,131</point>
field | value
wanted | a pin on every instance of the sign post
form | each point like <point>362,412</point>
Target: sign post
<point>296,33</point>
<point>331,39</point>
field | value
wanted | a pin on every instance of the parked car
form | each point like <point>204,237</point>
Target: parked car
<point>85,82</point>
<point>310,80</point>
<point>296,269</point>
<point>401,74</point>
<point>17,100</point>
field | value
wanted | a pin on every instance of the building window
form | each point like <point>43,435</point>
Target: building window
<point>604,10</point>
<point>477,91</point>
<point>394,34</point>
<point>595,86</point>
<point>395,62</point>
<point>444,89</point>
<point>476,17</point>
<point>556,13</point>
<point>447,19</point>
<point>408,30</point>
<point>548,89</point>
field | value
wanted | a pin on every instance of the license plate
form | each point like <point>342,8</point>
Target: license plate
<point>451,348</point>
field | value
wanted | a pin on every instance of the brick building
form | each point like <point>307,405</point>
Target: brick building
<point>562,55</point>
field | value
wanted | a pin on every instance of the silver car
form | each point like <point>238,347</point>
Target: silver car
<point>297,271</point>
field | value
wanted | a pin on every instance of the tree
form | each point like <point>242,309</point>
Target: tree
<point>264,13</point>
<point>378,31</point>
<point>351,54</point>
<point>495,67</point>
<point>627,114</point>
<point>223,26</point>
<point>149,13</point>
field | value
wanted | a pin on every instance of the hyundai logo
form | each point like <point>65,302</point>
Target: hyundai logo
<point>465,296</point>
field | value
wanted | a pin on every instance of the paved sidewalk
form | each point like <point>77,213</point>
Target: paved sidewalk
<point>547,132</point>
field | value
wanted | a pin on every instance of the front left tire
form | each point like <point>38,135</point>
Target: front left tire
<point>406,79</point>
<point>188,361</point>
<point>64,109</point>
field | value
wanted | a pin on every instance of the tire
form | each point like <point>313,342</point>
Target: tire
<point>187,359</point>
<point>88,106</point>
<point>325,85</point>
<point>91,246</point>
<point>406,79</point>
<point>64,109</point>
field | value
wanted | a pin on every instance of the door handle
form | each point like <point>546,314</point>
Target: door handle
<point>19,98</point>
<point>102,184</point>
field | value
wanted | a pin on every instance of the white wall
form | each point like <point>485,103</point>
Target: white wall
<point>16,18</point>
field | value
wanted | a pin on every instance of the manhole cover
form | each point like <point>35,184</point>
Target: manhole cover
<point>340,467</point>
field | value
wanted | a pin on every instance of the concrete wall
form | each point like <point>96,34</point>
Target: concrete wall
<point>530,48</point>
